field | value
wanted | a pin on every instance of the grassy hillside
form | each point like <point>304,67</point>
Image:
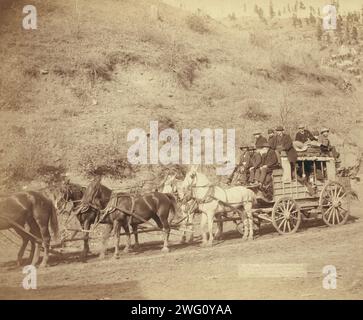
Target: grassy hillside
<point>71,90</point>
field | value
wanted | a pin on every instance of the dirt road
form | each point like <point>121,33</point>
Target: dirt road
<point>230,270</point>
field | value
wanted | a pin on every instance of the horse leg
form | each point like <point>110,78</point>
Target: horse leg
<point>166,233</point>
<point>86,226</point>
<point>117,228</point>
<point>136,235</point>
<point>203,222</point>
<point>46,243</point>
<point>219,232</point>
<point>105,236</point>
<point>248,208</point>
<point>35,249</point>
<point>25,240</point>
<point>190,228</point>
<point>184,226</point>
<point>210,228</point>
<point>244,220</point>
<point>128,237</point>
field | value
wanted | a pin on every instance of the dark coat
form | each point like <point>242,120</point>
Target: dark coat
<point>304,137</point>
<point>284,143</point>
<point>272,142</point>
<point>270,160</point>
<point>260,141</point>
<point>256,160</point>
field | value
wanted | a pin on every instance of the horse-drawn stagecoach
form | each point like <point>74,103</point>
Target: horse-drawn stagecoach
<point>313,189</point>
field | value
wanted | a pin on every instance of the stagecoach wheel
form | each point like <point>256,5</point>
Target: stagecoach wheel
<point>334,204</point>
<point>286,215</point>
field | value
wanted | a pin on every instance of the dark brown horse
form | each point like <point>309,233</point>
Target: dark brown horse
<point>36,212</point>
<point>124,210</point>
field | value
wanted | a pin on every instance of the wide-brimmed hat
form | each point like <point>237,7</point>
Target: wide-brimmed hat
<point>269,131</point>
<point>324,130</point>
<point>301,126</point>
<point>280,128</point>
<point>257,132</point>
<point>244,147</point>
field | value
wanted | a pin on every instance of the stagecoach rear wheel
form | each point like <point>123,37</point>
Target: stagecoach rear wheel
<point>286,215</point>
<point>334,204</point>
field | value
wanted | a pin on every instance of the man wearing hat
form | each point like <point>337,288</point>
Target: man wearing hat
<point>271,138</point>
<point>259,138</point>
<point>255,163</point>
<point>268,164</point>
<point>284,143</point>
<point>325,146</point>
<point>304,135</point>
<point>240,172</point>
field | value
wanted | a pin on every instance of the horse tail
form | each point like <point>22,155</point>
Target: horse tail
<point>53,222</point>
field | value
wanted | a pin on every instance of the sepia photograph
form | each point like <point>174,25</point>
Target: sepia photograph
<point>179,150</point>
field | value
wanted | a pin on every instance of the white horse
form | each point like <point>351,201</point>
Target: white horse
<point>173,185</point>
<point>210,200</point>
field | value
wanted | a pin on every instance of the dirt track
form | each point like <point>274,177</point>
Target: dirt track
<point>192,272</point>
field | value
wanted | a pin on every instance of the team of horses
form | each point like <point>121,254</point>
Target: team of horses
<point>34,212</point>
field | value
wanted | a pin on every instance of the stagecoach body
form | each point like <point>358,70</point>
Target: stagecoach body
<point>311,190</point>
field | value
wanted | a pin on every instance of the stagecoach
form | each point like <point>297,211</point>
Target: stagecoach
<point>310,190</point>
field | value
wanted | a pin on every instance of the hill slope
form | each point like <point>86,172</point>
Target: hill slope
<point>71,90</point>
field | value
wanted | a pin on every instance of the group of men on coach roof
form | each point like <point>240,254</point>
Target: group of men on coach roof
<point>259,161</point>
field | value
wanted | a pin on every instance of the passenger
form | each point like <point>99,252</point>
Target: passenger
<point>325,147</point>
<point>268,164</point>
<point>284,143</point>
<point>255,163</point>
<point>271,138</point>
<point>304,136</point>
<point>241,172</point>
<point>259,138</point>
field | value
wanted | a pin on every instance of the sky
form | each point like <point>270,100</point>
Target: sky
<point>221,8</point>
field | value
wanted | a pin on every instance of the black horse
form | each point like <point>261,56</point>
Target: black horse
<point>100,205</point>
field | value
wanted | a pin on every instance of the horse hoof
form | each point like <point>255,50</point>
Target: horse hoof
<point>182,240</point>
<point>218,237</point>
<point>204,244</point>
<point>191,240</point>
<point>126,250</point>
<point>165,249</point>
<point>116,256</point>
<point>43,265</point>
<point>250,239</point>
<point>136,247</point>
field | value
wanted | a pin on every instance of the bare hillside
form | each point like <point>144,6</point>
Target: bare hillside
<point>71,90</point>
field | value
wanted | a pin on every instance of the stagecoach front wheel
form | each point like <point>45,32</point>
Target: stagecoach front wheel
<point>334,204</point>
<point>286,215</point>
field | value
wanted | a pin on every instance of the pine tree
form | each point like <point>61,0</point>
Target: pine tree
<point>355,34</point>
<point>272,12</point>
<point>319,32</point>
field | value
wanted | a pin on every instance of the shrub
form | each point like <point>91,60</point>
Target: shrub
<point>197,24</point>
<point>255,112</point>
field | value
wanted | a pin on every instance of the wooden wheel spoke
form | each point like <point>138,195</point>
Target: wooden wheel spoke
<point>281,223</point>
<point>285,221</point>
<point>338,215</point>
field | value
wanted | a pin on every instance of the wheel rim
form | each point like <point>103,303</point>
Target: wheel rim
<point>286,216</point>
<point>334,204</point>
